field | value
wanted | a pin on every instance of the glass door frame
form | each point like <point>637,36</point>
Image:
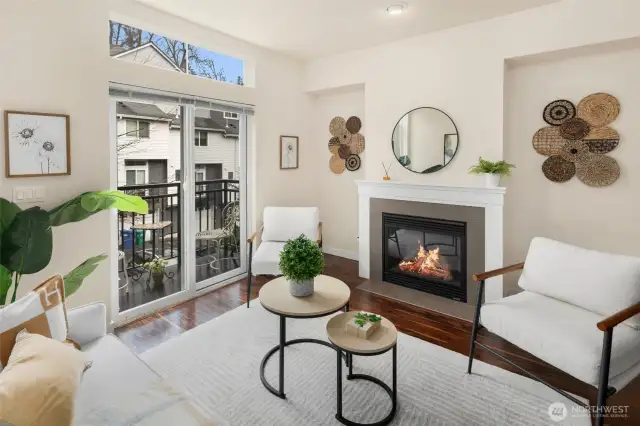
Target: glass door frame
<point>233,275</point>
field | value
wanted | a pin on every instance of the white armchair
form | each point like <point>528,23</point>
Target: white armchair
<point>572,302</point>
<point>279,225</point>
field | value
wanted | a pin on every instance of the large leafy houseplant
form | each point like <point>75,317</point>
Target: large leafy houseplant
<point>301,260</point>
<point>26,240</point>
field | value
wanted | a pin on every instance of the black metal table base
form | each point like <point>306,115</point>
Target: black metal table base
<point>391,391</point>
<point>280,348</point>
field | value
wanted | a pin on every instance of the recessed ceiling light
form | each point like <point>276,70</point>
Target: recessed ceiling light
<point>396,9</point>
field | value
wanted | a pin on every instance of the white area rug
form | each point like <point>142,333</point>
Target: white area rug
<point>217,364</point>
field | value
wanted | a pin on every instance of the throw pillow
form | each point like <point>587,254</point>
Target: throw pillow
<point>41,311</point>
<point>39,384</point>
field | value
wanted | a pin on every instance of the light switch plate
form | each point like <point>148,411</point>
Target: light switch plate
<point>28,194</point>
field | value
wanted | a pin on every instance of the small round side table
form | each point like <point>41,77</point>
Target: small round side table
<point>329,295</point>
<point>381,341</point>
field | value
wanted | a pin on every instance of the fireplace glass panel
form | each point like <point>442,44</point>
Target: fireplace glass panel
<point>425,254</point>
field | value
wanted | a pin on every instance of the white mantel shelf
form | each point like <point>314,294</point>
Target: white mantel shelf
<point>491,199</point>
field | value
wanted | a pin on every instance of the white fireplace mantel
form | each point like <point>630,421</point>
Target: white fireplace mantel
<point>491,199</point>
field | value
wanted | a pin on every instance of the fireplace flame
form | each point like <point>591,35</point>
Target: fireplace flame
<point>427,262</point>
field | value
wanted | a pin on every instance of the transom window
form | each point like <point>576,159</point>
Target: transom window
<point>231,115</point>
<point>136,128</point>
<point>201,138</point>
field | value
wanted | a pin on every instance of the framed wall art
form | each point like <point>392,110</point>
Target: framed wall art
<point>36,144</point>
<point>288,152</point>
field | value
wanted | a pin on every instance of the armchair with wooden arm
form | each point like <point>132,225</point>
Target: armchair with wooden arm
<point>562,282</point>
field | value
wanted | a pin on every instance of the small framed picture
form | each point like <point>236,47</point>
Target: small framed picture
<point>288,152</point>
<point>36,144</point>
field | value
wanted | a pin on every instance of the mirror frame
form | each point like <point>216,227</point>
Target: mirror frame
<point>454,126</point>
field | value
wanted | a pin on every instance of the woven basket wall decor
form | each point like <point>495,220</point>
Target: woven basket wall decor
<point>353,163</point>
<point>574,129</point>
<point>599,109</point>
<point>334,145</point>
<point>557,169</point>
<point>337,126</point>
<point>547,141</point>
<point>353,124</point>
<point>336,164</point>
<point>557,112</point>
<point>578,139</point>
<point>346,144</point>
<point>600,171</point>
<point>357,143</point>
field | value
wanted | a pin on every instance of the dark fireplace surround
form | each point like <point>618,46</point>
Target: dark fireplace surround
<point>425,254</point>
<point>399,227</point>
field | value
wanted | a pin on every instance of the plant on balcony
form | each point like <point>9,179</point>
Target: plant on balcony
<point>301,260</point>
<point>157,267</point>
<point>26,240</point>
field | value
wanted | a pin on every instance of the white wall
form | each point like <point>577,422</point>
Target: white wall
<point>55,58</point>
<point>598,218</point>
<point>461,71</point>
<point>336,195</point>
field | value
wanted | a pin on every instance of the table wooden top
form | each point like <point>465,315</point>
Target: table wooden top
<point>152,226</point>
<point>329,295</point>
<point>380,340</point>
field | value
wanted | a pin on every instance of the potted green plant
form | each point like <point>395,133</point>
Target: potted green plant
<point>301,260</point>
<point>157,267</point>
<point>26,239</point>
<point>492,171</point>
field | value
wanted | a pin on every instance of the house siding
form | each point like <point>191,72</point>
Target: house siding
<point>148,56</point>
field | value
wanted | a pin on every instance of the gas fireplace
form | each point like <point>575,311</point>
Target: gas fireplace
<point>425,254</point>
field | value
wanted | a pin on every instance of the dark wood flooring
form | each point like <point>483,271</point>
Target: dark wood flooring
<point>438,329</point>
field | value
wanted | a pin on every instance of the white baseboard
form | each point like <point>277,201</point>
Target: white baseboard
<point>353,255</point>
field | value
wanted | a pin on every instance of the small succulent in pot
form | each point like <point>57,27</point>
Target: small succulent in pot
<point>301,260</point>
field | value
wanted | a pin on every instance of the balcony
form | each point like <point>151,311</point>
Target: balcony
<point>217,223</point>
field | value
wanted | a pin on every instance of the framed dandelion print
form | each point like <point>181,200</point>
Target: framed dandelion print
<point>36,144</point>
<point>288,152</point>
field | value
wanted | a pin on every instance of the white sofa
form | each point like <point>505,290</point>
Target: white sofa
<point>280,224</point>
<point>579,312</point>
<point>114,368</point>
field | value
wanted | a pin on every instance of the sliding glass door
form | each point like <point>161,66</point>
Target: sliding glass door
<point>189,164</point>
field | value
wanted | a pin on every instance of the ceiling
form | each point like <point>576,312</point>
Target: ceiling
<point>311,28</point>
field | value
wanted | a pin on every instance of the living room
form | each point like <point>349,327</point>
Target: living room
<point>321,120</point>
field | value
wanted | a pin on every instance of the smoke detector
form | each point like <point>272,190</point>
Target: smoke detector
<point>396,9</point>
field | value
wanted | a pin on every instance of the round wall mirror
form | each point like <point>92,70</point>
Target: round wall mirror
<point>425,140</point>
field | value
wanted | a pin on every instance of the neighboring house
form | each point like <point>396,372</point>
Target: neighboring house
<point>149,149</point>
<point>148,54</point>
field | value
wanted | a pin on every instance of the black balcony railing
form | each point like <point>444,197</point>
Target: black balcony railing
<point>211,197</point>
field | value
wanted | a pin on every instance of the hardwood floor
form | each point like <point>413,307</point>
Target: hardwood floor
<point>438,329</point>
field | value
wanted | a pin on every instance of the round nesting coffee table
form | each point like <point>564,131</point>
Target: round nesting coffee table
<point>330,295</point>
<point>382,340</point>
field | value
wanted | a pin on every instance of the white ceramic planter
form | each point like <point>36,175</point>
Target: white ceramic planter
<point>492,180</point>
<point>301,288</point>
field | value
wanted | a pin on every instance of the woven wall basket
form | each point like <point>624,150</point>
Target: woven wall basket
<point>353,163</point>
<point>354,124</point>
<point>557,112</point>
<point>574,129</point>
<point>599,109</point>
<point>575,152</point>
<point>357,143</point>
<point>601,140</point>
<point>337,126</point>
<point>600,171</point>
<point>344,151</point>
<point>547,141</point>
<point>334,145</point>
<point>557,169</point>
<point>336,164</point>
